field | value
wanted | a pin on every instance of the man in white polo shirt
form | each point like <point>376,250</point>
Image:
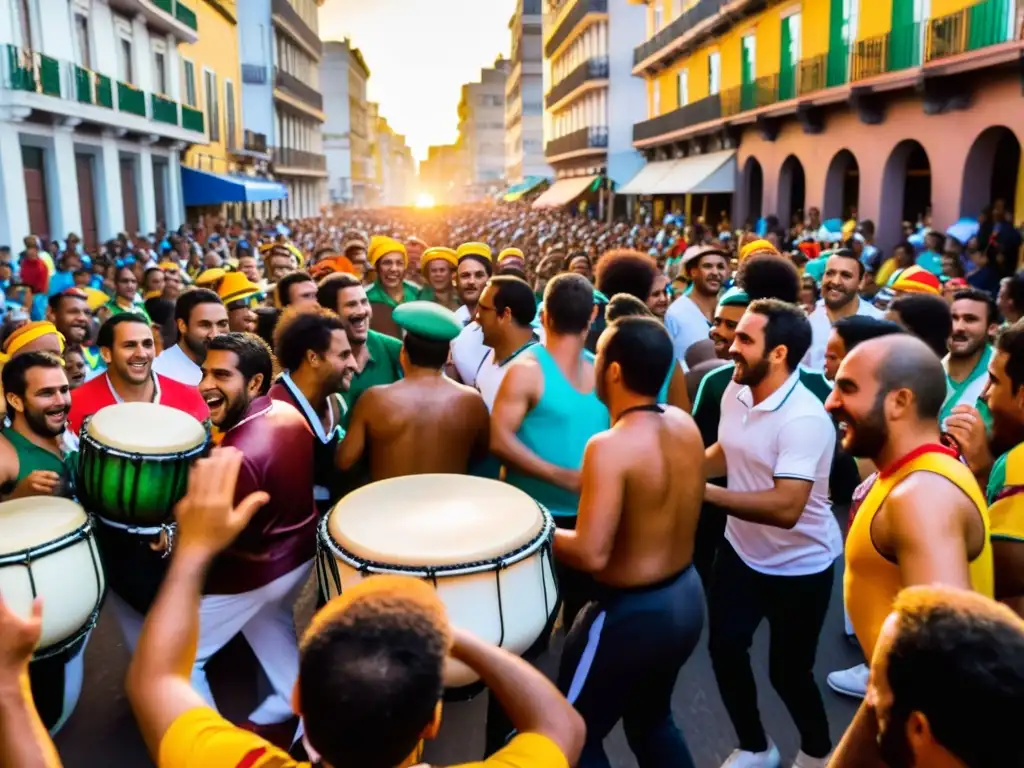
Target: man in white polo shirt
<point>840,286</point>
<point>199,315</point>
<point>775,446</point>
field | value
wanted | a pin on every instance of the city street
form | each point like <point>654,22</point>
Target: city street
<point>102,732</point>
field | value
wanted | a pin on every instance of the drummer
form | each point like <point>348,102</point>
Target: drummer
<point>312,348</point>
<point>253,584</point>
<point>635,534</point>
<point>426,422</point>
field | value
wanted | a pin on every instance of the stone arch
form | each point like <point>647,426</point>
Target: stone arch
<point>990,171</point>
<point>792,190</point>
<point>906,190</point>
<point>842,187</point>
<point>752,191</point>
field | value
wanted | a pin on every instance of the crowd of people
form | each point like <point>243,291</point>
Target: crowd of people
<point>597,366</point>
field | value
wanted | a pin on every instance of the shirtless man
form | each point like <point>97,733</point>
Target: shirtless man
<point>923,520</point>
<point>635,534</point>
<point>425,423</point>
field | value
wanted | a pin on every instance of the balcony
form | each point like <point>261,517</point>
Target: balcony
<point>171,17</point>
<point>254,146</point>
<point>192,118</point>
<point>683,25</point>
<point>702,111</point>
<point>285,17</point>
<point>969,29</point>
<point>254,74</point>
<point>592,70</point>
<point>576,15</point>
<point>294,87</point>
<point>592,138</point>
<point>32,82</point>
<point>298,162</point>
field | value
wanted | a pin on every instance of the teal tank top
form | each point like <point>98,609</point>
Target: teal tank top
<point>557,430</point>
<point>663,392</point>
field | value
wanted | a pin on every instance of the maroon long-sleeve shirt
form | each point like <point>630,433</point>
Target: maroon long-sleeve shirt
<point>278,458</point>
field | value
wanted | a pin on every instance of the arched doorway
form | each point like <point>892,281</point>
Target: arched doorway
<point>906,191</point>
<point>842,187</point>
<point>753,190</point>
<point>990,171</point>
<point>792,188</point>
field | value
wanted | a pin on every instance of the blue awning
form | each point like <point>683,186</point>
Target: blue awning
<point>205,188</point>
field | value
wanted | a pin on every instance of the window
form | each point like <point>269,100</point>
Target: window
<point>656,100</point>
<point>748,70</point>
<point>24,23</point>
<point>212,105</point>
<point>159,73</point>
<point>124,62</point>
<point>190,84</point>
<point>714,73</point>
<point>229,112</point>
<point>793,25</point>
<point>657,18</point>
<point>82,40</point>
<point>683,87</point>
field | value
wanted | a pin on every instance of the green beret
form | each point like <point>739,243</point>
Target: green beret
<point>428,320</point>
<point>734,297</point>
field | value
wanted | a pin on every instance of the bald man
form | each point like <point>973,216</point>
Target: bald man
<point>922,519</point>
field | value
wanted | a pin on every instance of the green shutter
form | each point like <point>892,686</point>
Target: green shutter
<point>988,23</point>
<point>748,88</point>
<point>787,63</point>
<point>905,37</point>
<point>838,49</point>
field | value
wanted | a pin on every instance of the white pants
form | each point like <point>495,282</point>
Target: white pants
<point>264,617</point>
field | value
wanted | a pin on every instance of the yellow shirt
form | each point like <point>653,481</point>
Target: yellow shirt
<point>1006,496</point>
<point>871,582</point>
<point>201,738</point>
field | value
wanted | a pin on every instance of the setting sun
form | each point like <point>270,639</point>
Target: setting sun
<point>423,200</point>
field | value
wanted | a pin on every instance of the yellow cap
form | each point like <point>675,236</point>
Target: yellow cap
<point>474,249</point>
<point>236,286</point>
<point>511,253</point>
<point>443,254</point>
<point>210,276</point>
<point>169,266</point>
<point>381,246</point>
<point>95,298</point>
<point>757,246</point>
<point>26,335</point>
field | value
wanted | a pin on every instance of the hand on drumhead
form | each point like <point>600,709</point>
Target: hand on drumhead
<point>40,482</point>
<point>208,519</point>
<point>18,638</point>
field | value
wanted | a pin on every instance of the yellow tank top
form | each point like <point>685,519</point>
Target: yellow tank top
<point>871,582</point>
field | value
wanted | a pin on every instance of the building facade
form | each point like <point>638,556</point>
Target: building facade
<point>283,100</point>
<point>93,117</point>
<point>482,130</point>
<point>898,112</point>
<point>397,169</point>
<point>346,139</point>
<point>591,93</point>
<point>444,174</point>
<point>524,96</point>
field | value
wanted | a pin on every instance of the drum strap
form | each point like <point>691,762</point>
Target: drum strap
<point>168,529</point>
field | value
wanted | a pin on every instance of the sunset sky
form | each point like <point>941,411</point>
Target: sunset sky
<point>419,54</point>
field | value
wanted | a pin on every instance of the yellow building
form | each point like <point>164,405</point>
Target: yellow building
<point>892,110</point>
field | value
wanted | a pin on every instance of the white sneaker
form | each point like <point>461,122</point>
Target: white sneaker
<point>803,760</point>
<point>850,682</point>
<point>767,759</point>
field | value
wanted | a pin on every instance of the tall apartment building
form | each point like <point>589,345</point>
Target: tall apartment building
<point>283,100</point>
<point>524,96</point>
<point>397,169</point>
<point>482,130</point>
<point>891,112</point>
<point>592,96</point>
<point>444,174</point>
<point>93,117</point>
<point>346,134</point>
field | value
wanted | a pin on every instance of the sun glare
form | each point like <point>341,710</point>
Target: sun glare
<point>423,200</point>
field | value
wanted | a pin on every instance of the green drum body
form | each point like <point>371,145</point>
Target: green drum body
<point>134,461</point>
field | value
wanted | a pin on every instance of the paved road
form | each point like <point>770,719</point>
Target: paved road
<point>102,733</point>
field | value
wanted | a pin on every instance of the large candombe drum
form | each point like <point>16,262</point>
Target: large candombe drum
<point>134,460</point>
<point>485,545</point>
<point>47,550</point>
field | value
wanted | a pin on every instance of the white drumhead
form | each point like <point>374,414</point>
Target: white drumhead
<point>32,522</point>
<point>435,520</point>
<point>147,428</point>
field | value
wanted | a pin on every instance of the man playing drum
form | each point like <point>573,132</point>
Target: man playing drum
<point>32,463</point>
<point>127,346</point>
<point>313,349</point>
<point>634,534</point>
<point>371,670</point>
<point>426,422</point>
<point>252,586</point>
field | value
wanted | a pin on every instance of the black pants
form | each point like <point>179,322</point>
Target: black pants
<point>709,537</point>
<point>621,661</point>
<point>795,607</point>
<point>56,684</point>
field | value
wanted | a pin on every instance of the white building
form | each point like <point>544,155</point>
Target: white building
<point>284,101</point>
<point>92,120</point>
<point>592,96</point>
<point>524,96</point>
<point>482,130</point>
<point>346,139</point>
